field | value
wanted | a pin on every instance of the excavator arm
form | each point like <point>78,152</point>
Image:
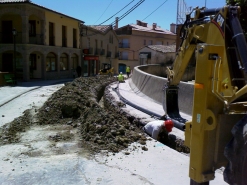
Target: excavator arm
<point>213,38</point>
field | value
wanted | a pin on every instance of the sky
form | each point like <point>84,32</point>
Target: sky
<point>95,12</point>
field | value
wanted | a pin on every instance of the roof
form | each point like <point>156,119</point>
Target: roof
<point>163,48</point>
<point>149,28</point>
<point>101,28</point>
<point>30,2</point>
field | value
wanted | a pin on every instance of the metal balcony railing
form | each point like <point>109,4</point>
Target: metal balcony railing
<point>124,45</point>
<point>36,39</point>
<point>102,52</point>
<point>8,38</point>
<point>108,54</point>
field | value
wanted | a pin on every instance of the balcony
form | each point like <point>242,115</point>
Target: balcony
<point>124,45</point>
<point>88,51</point>
<point>36,39</point>
<point>116,54</point>
<point>102,52</point>
<point>108,55</point>
<point>97,52</point>
<point>7,38</point>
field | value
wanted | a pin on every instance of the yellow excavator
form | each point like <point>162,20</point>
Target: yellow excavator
<point>106,69</point>
<point>217,133</point>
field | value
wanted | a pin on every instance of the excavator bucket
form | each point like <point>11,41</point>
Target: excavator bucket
<point>172,102</point>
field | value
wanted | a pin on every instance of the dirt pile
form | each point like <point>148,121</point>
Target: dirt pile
<point>77,105</point>
<point>101,125</point>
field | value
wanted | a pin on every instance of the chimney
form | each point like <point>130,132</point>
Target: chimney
<point>138,22</point>
<point>173,28</point>
<point>116,23</point>
<point>154,26</point>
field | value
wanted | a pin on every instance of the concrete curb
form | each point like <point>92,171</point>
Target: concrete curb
<point>153,87</point>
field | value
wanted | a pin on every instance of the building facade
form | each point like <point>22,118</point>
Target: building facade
<point>36,42</point>
<point>99,45</point>
<point>157,54</point>
<point>133,37</point>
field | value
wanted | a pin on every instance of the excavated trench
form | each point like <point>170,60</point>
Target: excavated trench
<point>87,106</point>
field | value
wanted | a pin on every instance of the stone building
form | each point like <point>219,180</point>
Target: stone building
<point>99,46</point>
<point>37,42</point>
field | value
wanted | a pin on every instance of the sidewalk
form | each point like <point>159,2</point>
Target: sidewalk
<point>8,93</point>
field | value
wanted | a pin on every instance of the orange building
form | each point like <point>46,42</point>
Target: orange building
<point>133,37</point>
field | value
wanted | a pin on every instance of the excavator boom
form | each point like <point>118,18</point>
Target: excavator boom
<point>213,38</point>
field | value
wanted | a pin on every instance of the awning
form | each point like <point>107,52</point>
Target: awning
<point>90,57</point>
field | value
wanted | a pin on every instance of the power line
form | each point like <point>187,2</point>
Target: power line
<point>129,11</point>
<point>104,11</point>
<point>154,10</point>
<point>116,13</point>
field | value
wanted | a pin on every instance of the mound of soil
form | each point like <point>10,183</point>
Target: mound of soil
<point>77,104</point>
<point>101,126</point>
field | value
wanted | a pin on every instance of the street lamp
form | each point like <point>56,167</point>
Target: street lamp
<point>14,32</point>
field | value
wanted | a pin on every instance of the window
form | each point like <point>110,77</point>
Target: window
<point>74,61</point>
<point>63,62</point>
<point>150,42</point>
<point>33,64</point>
<point>64,38</point>
<point>144,43</point>
<point>32,28</point>
<point>96,44</point>
<point>101,44</point>
<point>51,34</point>
<point>159,43</point>
<point>88,42</point>
<point>111,39</point>
<point>74,39</point>
<point>51,62</point>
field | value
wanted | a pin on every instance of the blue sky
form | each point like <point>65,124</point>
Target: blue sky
<point>94,12</point>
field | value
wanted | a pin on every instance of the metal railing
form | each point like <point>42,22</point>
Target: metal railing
<point>108,54</point>
<point>7,38</point>
<point>102,52</point>
<point>124,45</point>
<point>36,39</point>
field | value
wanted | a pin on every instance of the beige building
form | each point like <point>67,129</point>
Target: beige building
<point>99,45</point>
<point>37,42</point>
<point>157,54</point>
<point>133,37</point>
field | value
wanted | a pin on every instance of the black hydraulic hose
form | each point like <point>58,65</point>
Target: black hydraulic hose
<point>238,36</point>
<point>176,123</point>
